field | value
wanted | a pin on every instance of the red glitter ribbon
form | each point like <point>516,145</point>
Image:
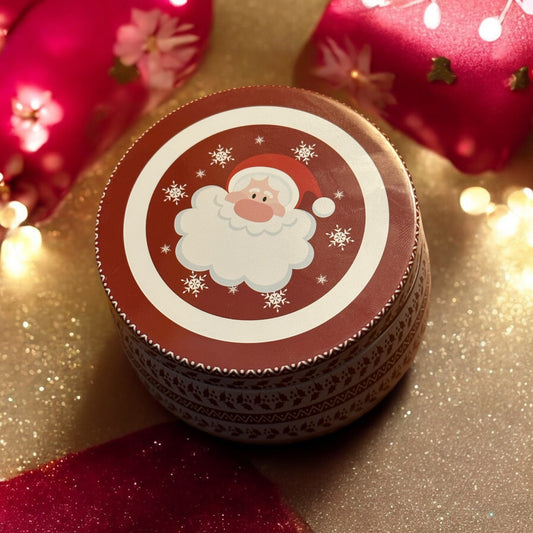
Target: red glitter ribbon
<point>165,478</point>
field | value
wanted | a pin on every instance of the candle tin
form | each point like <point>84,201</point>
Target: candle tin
<point>263,254</point>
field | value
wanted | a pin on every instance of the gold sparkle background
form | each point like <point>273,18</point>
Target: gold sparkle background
<point>449,450</point>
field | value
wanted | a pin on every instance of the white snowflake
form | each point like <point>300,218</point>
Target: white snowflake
<point>304,152</point>
<point>233,289</point>
<point>322,279</point>
<point>259,140</point>
<point>175,193</point>
<point>165,249</point>
<point>200,173</point>
<point>221,156</point>
<point>339,237</point>
<point>275,300</point>
<point>338,194</point>
<point>194,284</point>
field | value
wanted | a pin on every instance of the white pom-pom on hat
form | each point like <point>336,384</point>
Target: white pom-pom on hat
<point>323,207</point>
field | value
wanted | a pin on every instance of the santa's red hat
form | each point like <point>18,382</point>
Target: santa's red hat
<point>287,175</point>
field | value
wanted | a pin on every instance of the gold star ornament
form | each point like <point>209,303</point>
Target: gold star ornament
<point>441,71</point>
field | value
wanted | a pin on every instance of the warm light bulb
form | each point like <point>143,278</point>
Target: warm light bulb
<point>178,3</point>
<point>13,214</point>
<point>475,200</point>
<point>35,137</point>
<point>526,278</point>
<point>529,236</point>
<point>520,202</point>
<point>375,3</point>
<point>490,29</point>
<point>526,5</point>
<point>19,245</point>
<point>503,221</point>
<point>432,16</point>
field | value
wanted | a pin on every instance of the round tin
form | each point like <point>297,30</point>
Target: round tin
<point>263,253</point>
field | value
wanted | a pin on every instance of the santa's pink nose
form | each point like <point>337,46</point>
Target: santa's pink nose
<point>253,210</point>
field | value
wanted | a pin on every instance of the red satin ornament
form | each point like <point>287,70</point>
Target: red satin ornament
<point>426,69</point>
<point>10,12</point>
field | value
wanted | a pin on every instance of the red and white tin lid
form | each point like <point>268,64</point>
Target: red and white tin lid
<point>257,229</point>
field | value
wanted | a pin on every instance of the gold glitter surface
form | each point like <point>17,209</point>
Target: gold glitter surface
<point>448,450</point>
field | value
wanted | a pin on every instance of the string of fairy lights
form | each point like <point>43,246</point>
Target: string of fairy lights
<point>490,28</point>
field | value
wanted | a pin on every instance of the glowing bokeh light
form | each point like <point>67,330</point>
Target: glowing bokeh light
<point>503,221</point>
<point>520,202</point>
<point>529,236</point>
<point>475,200</point>
<point>20,245</point>
<point>526,278</point>
<point>13,214</point>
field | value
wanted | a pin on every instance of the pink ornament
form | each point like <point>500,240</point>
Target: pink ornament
<point>453,75</point>
<point>76,74</point>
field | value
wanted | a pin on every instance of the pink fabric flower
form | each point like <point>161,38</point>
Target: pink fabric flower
<point>158,46</point>
<point>33,112</point>
<point>350,70</point>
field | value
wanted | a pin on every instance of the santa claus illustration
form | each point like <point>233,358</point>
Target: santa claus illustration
<point>253,232</point>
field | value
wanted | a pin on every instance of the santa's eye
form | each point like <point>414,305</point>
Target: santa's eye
<point>254,192</point>
<point>267,195</point>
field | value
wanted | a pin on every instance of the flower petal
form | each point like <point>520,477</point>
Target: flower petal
<point>167,26</point>
<point>129,44</point>
<point>166,45</point>
<point>146,21</point>
<point>162,79</point>
<point>364,59</point>
<point>177,59</point>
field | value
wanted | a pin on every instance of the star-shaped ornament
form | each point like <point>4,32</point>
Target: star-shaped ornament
<point>519,79</point>
<point>441,71</point>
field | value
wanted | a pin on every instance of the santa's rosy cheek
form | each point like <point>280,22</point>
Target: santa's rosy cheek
<point>253,211</point>
<point>278,209</point>
<point>235,196</point>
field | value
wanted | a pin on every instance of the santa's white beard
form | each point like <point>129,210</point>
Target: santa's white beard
<point>235,250</point>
